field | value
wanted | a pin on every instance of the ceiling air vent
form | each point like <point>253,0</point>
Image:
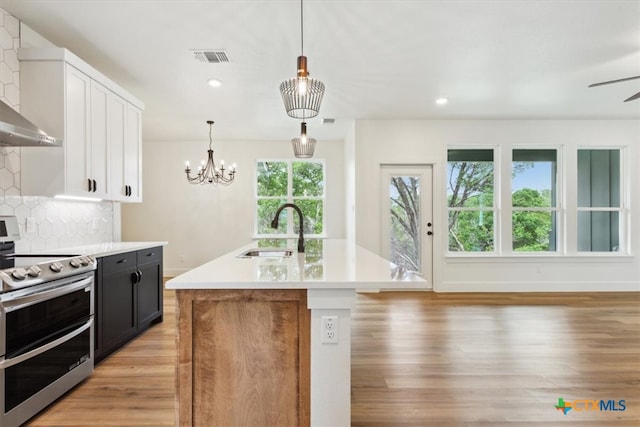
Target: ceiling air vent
<point>211,56</point>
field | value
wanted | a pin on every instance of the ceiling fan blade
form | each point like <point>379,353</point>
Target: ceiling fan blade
<point>631,98</point>
<point>614,81</point>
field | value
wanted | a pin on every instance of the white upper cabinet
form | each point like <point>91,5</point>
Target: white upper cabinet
<point>125,150</point>
<point>99,123</point>
<point>97,146</point>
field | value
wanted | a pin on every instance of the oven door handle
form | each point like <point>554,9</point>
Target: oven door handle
<point>37,297</point>
<point>19,359</point>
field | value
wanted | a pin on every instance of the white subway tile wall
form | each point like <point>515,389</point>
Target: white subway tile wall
<point>57,223</point>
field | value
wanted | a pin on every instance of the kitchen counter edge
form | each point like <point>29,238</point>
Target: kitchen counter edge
<point>99,250</point>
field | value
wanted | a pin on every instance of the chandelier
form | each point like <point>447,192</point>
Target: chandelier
<point>303,146</point>
<point>302,95</point>
<point>208,172</point>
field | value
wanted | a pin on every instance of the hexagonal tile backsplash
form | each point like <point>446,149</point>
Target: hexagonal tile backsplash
<point>57,223</point>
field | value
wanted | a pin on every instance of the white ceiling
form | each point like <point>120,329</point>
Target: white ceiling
<point>511,59</point>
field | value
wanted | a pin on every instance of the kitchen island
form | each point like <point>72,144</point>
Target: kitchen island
<point>265,340</point>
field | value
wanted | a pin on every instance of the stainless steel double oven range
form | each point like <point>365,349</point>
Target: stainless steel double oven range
<point>46,326</point>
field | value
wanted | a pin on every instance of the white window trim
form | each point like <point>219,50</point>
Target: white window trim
<point>559,209</point>
<point>291,233</point>
<point>623,209</point>
<point>567,209</point>
<point>495,209</point>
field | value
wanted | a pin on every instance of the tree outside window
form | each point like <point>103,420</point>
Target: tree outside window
<point>470,199</point>
<point>288,181</point>
<point>534,200</point>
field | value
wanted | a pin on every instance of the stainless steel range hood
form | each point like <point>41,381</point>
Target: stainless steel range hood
<point>16,131</point>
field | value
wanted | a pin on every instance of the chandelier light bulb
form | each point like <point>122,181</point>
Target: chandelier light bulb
<point>302,86</point>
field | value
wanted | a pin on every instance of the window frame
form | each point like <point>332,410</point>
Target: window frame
<point>291,233</point>
<point>559,209</point>
<point>567,209</point>
<point>495,209</point>
<point>622,209</point>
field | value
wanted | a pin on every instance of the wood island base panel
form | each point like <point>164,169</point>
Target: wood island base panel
<point>243,357</point>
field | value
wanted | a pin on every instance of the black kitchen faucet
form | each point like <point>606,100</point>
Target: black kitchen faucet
<point>274,223</point>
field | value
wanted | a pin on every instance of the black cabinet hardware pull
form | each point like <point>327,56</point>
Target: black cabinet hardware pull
<point>151,254</point>
<point>120,261</point>
<point>94,185</point>
<point>89,184</point>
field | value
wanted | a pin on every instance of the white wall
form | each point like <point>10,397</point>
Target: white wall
<point>350,183</point>
<point>426,142</point>
<point>202,222</point>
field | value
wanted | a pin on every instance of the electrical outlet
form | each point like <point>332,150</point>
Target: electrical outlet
<point>329,330</point>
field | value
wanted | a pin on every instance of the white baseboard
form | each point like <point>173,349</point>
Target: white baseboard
<point>621,286</point>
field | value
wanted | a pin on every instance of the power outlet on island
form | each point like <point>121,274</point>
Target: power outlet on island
<point>329,330</point>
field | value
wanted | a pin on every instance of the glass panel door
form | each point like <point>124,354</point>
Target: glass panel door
<point>407,218</point>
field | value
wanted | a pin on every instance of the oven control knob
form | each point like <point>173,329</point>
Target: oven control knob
<point>34,271</point>
<point>56,267</point>
<point>19,274</point>
<point>85,261</point>
<point>75,263</point>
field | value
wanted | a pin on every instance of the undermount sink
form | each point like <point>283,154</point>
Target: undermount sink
<point>266,253</point>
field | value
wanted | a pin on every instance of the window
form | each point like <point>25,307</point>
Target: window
<point>534,200</point>
<point>470,198</point>
<point>537,215</point>
<point>599,207</point>
<point>287,181</point>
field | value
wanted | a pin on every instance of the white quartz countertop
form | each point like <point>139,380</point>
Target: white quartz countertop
<point>331,264</point>
<point>104,249</point>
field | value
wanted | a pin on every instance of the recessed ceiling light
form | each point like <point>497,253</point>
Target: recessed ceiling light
<point>214,82</point>
<point>441,101</point>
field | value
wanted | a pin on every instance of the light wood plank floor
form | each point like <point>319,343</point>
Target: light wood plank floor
<point>423,359</point>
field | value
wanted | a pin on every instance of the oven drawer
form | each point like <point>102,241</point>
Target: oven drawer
<point>115,263</point>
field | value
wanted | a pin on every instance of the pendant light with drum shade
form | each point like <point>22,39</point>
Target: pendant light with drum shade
<point>303,146</point>
<point>302,97</point>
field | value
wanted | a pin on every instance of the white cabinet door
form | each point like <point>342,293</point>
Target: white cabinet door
<point>77,131</point>
<point>117,109</point>
<point>133,154</point>
<point>97,156</point>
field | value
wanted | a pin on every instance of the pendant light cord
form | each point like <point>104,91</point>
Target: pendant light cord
<point>301,29</point>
